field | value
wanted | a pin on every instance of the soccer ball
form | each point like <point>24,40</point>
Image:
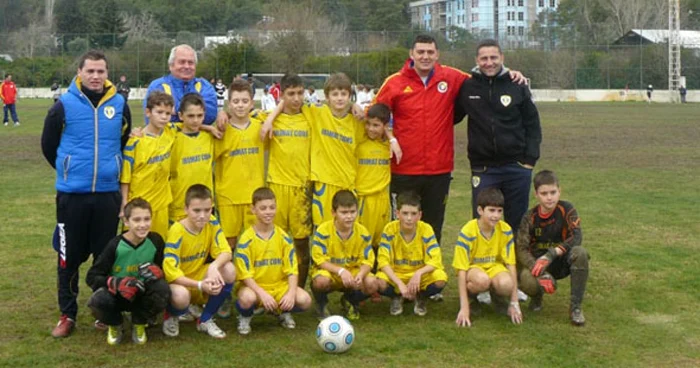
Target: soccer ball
<point>335,334</point>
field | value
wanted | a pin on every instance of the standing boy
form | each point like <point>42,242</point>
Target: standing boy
<point>127,276</point>
<point>485,260</point>
<point>343,258</point>
<point>147,162</point>
<point>409,258</point>
<point>191,243</point>
<point>8,95</point>
<point>267,268</point>
<point>549,247</point>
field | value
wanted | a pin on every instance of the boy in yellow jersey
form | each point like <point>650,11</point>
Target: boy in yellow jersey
<point>409,258</point>
<point>190,244</point>
<point>191,156</point>
<point>343,258</point>
<point>288,170</point>
<point>239,163</point>
<point>485,260</point>
<point>267,268</point>
<point>374,173</point>
<point>147,162</point>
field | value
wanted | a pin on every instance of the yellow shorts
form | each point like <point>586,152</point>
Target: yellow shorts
<point>427,279</point>
<point>492,270</point>
<point>196,296</point>
<point>322,202</point>
<point>375,213</point>
<point>277,291</point>
<point>293,209</point>
<point>336,281</point>
<point>235,218</point>
<point>159,223</point>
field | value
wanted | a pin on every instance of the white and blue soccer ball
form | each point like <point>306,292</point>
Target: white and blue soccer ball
<point>335,334</point>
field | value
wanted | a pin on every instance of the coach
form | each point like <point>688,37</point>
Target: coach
<point>503,130</point>
<point>84,133</point>
<point>181,81</point>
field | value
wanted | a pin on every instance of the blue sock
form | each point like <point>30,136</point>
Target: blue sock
<point>390,292</point>
<point>430,291</point>
<point>355,297</point>
<point>245,312</point>
<point>215,302</point>
<point>174,312</point>
<point>321,298</point>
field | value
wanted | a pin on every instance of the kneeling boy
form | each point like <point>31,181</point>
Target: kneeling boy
<point>191,243</point>
<point>342,258</point>
<point>127,276</point>
<point>267,268</point>
<point>409,258</point>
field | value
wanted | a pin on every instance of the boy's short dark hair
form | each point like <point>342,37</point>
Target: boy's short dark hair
<point>290,80</point>
<point>136,203</point>
<point>197,191</point>
<point>423,38</point>
<point>488,43</point>
<point>545,177</point>
<point>93,55</point>
<point>344,198</point>
<point>262,194</point>
<point>158,98</point>
<point>379,111</point>
<point>240,85</point>
<point>337,81</point>
<point>409,198</point>
<point>191,99</point>
<point>490,197</point>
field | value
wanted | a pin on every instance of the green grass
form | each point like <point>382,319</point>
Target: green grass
<point>631,170</point>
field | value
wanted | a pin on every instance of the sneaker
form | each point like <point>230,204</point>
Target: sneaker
<point>211,328</point>
<point>100,326</point>
<point>323,312</point>
<point>287,321</point>
<point>396,306</point>
<point>64,327</point>
<point>577,318</point>
<point>244,325</point>
<point>5,123</point>
<point>114,334</point>
<point>419,308</point>
<point>351,311</point>
<point>194,312</point>
<point>535,303</point>
<point>138,334</point>
<point>16,123</point>
<point>437,297</point>
<point>171,326</point>
<point>224,311</point>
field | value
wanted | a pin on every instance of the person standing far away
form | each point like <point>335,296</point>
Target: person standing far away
<point>123,87</point>
<point>8,95</point>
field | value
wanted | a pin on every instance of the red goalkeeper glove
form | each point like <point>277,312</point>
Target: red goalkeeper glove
<point>547,283</point>
<point>543,262</point>
<point>149,272</point>
<point>127,287</point>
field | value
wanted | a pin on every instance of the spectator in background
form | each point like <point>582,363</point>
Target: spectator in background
<point>123,87</point>
<point>650,90</point>
<point>55,91</point>
<point>8,95</point>
<point>220,89</point>
<point>683,91</point>
<point>311,96</point>
<point>267,102</point>
<point>275,91</point>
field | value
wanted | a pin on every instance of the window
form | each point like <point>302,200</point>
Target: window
<point>521,31</point>
<point>521,16</point>
<point>475,3</point>
<point>552,3</point>
<point>520,2</point>
<point>475,17</point>
<point>510,30</point>
<point>541,3</point>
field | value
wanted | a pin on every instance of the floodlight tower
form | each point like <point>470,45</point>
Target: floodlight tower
<point>674,50</point>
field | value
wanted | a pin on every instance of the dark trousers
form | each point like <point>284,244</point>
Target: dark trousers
<point>13,111</point>
<point>574,263</point>
<point>108,308</point>
<point>85,223</point>
<point>513,180</point>
<point>433,191</point>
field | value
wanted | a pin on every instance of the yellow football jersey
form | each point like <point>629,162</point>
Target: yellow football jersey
<point>239,164</point>
<point>407,257</point>
<point>327,246</point>
<point>473,249</point>
<point>186,253</point>
<point>147,168</point>
<point>333,144</point>
<point>290,146</point>
<point>373,167</point>
<point>269,262</point>
<point>191,163</point>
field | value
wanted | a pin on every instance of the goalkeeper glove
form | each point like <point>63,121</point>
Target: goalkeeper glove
<point>127,287</point>
<point>544,261</point>
<point>547,283</point>
<point>149,272</point>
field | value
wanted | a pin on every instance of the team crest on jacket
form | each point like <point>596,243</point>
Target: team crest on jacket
<point>442,87</point>
<point>505,100</point>
<point>109,112</point>
<point>476,181</point>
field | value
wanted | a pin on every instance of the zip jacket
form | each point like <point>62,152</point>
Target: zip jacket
<point>179,88</point>
<point>8,92</point>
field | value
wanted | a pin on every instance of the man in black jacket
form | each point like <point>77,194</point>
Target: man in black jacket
<point>503,129</point>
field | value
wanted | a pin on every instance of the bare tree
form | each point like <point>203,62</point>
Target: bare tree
<point>141,27</point>
<point>636,14</point>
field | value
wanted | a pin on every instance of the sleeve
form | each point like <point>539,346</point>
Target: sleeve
<point>289,263</point>
<point>160,247</point>
<point>319,248</point>
<point>171,256</point>
<point>367,251</point>
<point>524,257</point>
<point>575,236</point>
<point>461,104</point>
<point>463,250</point>
<point>51,135</point>
<point>209,96</point>
<point>244,266</point>
<point>433,255</point>
<point>533,130</point>
<point>508,250</point>
<point>126,124</point>
<point>218,243</point>
<point>385,253</point>
<point>129,159</point>
<point>102,268</point>
<point>2,87</point>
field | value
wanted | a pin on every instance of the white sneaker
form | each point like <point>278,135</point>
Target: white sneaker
<point>171,326</point>
<point>211,328</point>
<point>396,306</point>
<point>5,123</point>
<point>16,123</point>
<point>419,308</point>
<point>244,325</point>
<point>287,321</point>
<point>194,312</point>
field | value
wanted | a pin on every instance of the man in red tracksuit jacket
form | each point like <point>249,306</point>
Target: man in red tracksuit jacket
<point>8,94</point>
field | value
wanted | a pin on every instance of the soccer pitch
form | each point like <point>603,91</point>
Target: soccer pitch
<point>631,169</point>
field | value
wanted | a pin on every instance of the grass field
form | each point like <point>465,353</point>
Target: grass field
<point>630,168</point>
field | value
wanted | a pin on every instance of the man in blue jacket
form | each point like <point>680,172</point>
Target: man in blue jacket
<point>84,133</point>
